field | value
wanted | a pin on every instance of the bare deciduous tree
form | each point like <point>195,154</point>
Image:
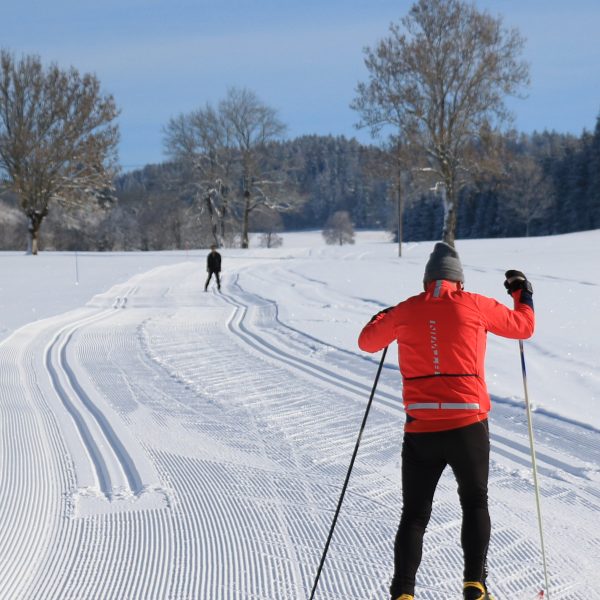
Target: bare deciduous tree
<point>200,142</point>
<point>390,162</point>
<point>439,79</point>
<point>57,136</point>
<point>269,223</point>
<point>270,239</point>
<point>227,149</point>
<point>339,229</point>
<point>253,125</point>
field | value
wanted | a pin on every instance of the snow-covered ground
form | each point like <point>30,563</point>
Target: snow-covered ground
<point>159,442</point>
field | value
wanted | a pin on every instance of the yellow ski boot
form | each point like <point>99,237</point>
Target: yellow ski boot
<point>474,590</point>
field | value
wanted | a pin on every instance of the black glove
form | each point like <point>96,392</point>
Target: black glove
<point>381,312</point>
<point>516,280</point>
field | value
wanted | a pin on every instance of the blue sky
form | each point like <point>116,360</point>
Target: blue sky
<point>160,58</point>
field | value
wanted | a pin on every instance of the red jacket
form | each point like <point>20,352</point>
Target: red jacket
<point>441,337</point>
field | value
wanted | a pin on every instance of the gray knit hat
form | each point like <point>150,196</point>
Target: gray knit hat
<point>443,263</point>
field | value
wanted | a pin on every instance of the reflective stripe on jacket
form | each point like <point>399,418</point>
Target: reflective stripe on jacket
<point>441,335</point>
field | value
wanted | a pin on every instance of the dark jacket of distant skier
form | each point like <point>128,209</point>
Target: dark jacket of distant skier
<point>441,336</point>
<point>213,261</point>
<point>213,266</point>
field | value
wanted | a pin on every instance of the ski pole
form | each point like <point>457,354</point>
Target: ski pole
<point>534,465</point>
<point>339,506</point>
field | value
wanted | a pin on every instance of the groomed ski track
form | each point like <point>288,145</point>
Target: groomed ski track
<point>163,443</point>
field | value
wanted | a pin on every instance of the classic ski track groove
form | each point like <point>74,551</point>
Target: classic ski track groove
<point>102,445</point>
<point>240,325</point>
<point>31,506</point>
<point>549,461</point>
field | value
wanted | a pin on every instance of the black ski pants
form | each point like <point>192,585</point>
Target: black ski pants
<point>210,274</point>
<point>424,458</point>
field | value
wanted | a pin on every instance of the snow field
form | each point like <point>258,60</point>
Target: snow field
<point>164,443</point>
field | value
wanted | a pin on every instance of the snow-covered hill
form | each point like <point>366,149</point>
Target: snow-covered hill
<point>161,442</point>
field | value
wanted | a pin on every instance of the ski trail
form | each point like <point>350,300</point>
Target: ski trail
<point>51,470</point>
<point>237,324</point>
<point>93,429</point>
<point>564,475</point>
<point>243,324</point>
<point>28,503</point>
<point>275,339</point>
<point>228,434</point>
<point>111,470</point>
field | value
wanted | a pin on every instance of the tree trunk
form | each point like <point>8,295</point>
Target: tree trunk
<point>450,200</point>
<point>400,210</point>
<point>211,216</point>
<point>223,215</point>
<point>35,218</point>
<point>34,241</point>
<point>219,239</point>
<point>245,240</point>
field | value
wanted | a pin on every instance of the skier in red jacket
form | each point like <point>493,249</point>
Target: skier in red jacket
<point>441,336</point>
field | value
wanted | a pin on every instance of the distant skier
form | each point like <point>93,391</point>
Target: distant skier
<point>441,335</point>
<point>213,266</point>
